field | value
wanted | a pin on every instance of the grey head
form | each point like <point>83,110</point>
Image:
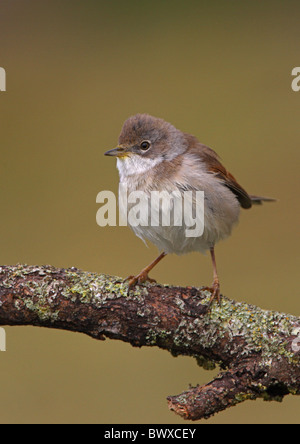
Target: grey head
<point>149,137</point>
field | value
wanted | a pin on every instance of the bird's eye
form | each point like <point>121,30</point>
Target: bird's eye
<point>145,145</point>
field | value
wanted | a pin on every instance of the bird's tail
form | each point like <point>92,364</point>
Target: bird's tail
<point>258,200</point>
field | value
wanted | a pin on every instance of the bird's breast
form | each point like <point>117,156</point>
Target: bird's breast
<point>154,205</point>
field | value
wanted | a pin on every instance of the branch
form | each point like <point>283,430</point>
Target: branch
<point>257,349</point>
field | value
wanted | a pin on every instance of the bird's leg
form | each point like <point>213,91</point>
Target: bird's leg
<point>143,277</point>
<point>215,288</point>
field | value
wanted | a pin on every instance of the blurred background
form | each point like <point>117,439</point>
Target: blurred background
<point>75,71</point>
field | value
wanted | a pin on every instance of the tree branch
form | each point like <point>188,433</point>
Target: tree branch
<point>258,350</point>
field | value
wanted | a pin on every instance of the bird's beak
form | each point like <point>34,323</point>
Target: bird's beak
<point>117,152</point>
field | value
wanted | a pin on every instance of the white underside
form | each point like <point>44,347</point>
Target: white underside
<point>221,210</point>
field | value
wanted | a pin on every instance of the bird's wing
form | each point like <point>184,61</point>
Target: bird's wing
<point>210,158</point>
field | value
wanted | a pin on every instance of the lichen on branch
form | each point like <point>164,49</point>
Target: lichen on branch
<point>255,348</point>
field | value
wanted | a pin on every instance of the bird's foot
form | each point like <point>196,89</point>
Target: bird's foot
<point>140,278</point>
<point>215,292</point>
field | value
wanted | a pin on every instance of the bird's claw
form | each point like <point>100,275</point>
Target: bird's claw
<point>215,293</point>
<point>140,278</point>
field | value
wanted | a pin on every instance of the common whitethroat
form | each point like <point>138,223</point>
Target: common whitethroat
<point>153,155</point>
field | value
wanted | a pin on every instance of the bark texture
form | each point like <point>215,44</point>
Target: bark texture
<point>258,350</point>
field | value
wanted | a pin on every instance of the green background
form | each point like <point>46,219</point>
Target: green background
<point>76,70</point>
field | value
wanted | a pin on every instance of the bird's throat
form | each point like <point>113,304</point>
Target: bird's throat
<point>135,165</point>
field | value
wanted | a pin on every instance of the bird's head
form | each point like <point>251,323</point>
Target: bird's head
<point>146,141</point>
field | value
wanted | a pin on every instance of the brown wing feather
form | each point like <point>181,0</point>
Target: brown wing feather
<point>229,180</point>
<point>211,159</point>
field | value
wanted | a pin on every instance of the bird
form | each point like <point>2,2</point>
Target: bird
<point>153,155</point>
